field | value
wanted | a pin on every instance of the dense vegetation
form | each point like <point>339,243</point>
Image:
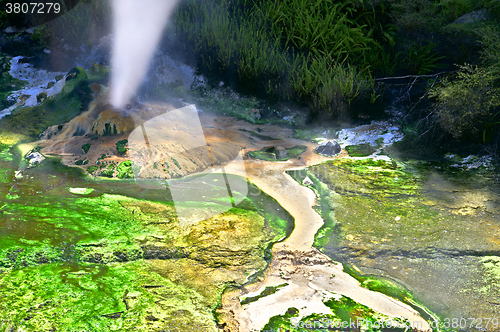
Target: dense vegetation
<point>332,56</point>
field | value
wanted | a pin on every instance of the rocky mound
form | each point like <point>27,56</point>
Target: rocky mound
<point>99,140</point>
<point>329,148</point>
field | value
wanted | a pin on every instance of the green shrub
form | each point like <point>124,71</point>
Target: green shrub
<point>84,161</point>
<point>86,147</point>
<point>453,9</point>
<point>109,171</point>
<point>125,170</point>
<point>410,15</point>
<point>490,43</point>
<point>176,162</point>
<point>120,146</point>
<point>468,105</point>
<point>92,169</point>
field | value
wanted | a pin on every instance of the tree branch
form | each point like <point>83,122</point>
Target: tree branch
<point>412,76</point>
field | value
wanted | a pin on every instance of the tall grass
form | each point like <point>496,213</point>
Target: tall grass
<point>337,30</point>
<point>331,86</point>
<point>318,53</point>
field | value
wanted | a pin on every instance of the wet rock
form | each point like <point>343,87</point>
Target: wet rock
<point>473,17</point>
<point>10,30</point>
<point>329,149</point>
<point>34,157</point>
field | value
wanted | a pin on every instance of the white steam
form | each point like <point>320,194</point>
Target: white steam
<point>137,29</point>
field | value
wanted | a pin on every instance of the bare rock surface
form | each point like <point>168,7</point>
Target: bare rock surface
<point>329,148</point>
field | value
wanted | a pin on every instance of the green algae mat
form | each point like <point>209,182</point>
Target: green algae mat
<point>80,253</point>
<point>420,231</point>
<point>347,315</point>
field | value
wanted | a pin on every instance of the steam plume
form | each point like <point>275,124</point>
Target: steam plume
<point>137,26</point>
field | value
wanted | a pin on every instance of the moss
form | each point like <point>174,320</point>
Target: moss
<point>176,162</point>
<point>92,169</point>
<point>120,146</point>
<point>329,231</point>
<point>89,254</point>
<point>364,204</point>
<point>315,135</point>
<point>278,219</point>
<point>224,102</point>
<point>109,171</point>
<point>86,147</point>
<point>72,218</point>
<point>346,315</point>
<point>98,73</point>
<point>26,254</point>
<point>112,235</point>
<point>360,150</point>
<point>390,288</point>
<point>80,191</point>
<point>348,310</point>
<point>276,323</point>
<point>367,175</point>
<point>125,170</point>
<point>363,150</point>
<point>41,96</point>
<point>5,153</point>
<point>266,292</point>
<point>296,151</point>
<point>347,191</point>
<point>31,121</point>
<point>99,298</point>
